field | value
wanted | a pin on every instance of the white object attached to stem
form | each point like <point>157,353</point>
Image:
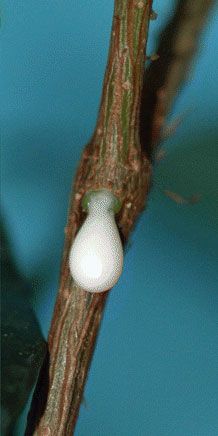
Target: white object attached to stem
<point>96,256</point>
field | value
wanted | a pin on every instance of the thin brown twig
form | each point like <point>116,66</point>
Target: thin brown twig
<point>114,160</point>
<point>178,44</point>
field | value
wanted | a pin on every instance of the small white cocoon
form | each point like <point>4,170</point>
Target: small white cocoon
<point>96,257</point>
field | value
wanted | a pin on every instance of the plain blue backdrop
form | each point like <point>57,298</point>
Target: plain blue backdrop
<point>154,371</point>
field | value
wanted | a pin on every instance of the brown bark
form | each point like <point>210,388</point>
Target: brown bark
<point>114,160</point>
<point>177,46</point>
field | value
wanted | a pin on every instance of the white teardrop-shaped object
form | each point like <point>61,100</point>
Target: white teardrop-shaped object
<point>96,257</point>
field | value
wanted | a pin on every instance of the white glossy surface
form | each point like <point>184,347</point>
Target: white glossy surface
<point>96,257</point>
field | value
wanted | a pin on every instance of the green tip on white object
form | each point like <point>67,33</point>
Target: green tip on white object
<point>96,256</point>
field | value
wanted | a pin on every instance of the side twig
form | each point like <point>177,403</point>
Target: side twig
<point>164,77</point>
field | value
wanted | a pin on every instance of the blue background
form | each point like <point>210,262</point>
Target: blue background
<point>155,367</point>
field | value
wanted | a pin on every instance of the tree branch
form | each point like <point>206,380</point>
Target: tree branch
<point>177,46</point>
<point>113,160</point>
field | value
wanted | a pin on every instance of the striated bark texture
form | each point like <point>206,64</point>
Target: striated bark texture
<point>114,160</point>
